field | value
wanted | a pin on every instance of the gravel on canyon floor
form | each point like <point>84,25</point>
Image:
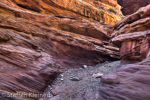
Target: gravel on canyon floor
<point>79,84</point>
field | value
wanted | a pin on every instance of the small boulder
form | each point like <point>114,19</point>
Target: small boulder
<point>85,66</point>
<point>98,75</point>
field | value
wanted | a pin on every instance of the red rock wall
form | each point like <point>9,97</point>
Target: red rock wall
<point>41,39</point>
<point>73,8</point>
<point>132,33</point>
<point>131,6</point>
<point>130,81</point>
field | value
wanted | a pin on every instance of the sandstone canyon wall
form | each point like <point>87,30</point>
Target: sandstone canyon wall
<point>130,81</point>
<point>131,6</point>
<point>63,8</point>
<point>40,39</point>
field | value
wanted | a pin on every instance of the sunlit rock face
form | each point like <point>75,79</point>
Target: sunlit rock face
<point>40,39</point>
<point>131,6</point>
<point>130,81</point>
<point>106,4</point>
<point>94,10</point>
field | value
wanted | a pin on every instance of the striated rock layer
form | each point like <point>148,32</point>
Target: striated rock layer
<point>130,81</point>
<point>41,39</point>
<point>134,31</point>
<point>131,6</point>
<point>63,8</point>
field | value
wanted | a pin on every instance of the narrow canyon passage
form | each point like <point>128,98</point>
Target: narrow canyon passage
<point>59,46</point>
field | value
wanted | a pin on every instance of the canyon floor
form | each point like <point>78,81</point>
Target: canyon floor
<point>79,84</point>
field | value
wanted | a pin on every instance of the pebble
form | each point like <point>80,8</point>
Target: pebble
<point>80,68</point>
<point>61,75</point>
<point>85,66</point>
<point>61,79</point>
<point>49,92</point>
<point>74,79</point>
<point>98,75</point>
<point>49,86</point>
<point>106,62</point>
<point>90,66</point>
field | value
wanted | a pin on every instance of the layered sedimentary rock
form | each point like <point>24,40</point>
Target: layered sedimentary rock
<point>130,81</point>
<point>41,39</point>
<point>132,33</point>
<point>131,6</point>
<point>74,8</point>
<point>106,4</point>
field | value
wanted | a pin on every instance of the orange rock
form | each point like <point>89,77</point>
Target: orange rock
<point>73,8</point>
<point>41,39</point>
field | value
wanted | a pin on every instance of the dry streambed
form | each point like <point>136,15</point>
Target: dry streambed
<point>79,84</point>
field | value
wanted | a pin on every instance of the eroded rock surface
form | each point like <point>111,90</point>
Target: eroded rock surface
<point>131,6</point>
<point>41,39</point>
<point>132,35</point>
<point>130,81</point>
<point>62,8</point>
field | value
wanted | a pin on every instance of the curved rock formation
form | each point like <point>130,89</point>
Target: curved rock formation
<point>41,39</point>
<point>130,81</point>
<point>131,6</point>
<point>139,21</point>
<point>62,8</point>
